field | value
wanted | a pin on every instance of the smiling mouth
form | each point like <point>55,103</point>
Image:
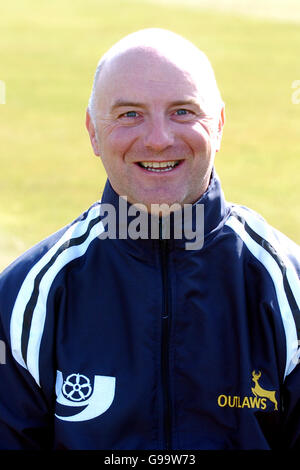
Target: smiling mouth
<point>159,167</point>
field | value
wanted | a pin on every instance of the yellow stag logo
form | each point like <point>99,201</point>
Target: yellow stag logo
<point>258,391</point>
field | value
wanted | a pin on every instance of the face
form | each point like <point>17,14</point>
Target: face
<point>156,140</point>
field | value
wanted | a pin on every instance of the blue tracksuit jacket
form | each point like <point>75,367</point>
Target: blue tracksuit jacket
<point>142,344</point>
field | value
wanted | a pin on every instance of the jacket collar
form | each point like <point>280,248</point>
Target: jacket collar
<point>196,227</point>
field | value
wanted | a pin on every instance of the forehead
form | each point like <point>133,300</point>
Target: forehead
<point>148,74</point>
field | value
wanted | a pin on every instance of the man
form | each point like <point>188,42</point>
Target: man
<point>120,341</point>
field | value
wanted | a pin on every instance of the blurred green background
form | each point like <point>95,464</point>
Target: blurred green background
<point>49,51</point>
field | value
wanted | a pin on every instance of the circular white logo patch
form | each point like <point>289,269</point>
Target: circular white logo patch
<point>77,387</point>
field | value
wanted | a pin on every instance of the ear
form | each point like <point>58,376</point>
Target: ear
<point>92,133</point>
<point>220,128</point>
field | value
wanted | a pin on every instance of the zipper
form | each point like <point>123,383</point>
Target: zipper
<point>165,319</point>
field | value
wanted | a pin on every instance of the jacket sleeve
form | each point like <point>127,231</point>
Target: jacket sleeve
<point>27,375</point>
<point>291,386</point>
<point>24,415</point>
<point>291,410</point>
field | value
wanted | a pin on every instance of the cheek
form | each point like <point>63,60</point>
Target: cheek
<point>198,138</point>
<point>118,141</point>
<point>113,147</point>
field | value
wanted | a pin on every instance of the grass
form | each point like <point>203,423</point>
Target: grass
<point>280,10</point>
<point>49,51</point>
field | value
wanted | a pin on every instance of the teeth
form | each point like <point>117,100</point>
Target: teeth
<point>159,166</point>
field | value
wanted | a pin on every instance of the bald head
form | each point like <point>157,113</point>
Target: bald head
<point>154,43</point>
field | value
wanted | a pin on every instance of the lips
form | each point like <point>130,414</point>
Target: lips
<point>159,167</point>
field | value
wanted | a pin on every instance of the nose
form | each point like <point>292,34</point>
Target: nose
<point>158,135</point>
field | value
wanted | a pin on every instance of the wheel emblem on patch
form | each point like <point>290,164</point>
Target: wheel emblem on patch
<point>77,387</point>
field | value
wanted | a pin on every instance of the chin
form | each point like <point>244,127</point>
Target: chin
<point>159,196</point>
<point>163,206</point>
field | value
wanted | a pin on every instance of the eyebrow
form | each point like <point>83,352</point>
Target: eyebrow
<point>182,102</point>
<point>128,104</point>
<point>133,104</point>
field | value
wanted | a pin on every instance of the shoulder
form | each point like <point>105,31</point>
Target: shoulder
<point>48,250</point>
<point>262,239</point>
<point>26,283</point>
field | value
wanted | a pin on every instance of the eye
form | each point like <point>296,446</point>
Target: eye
<point>182,112</point>
<point>130,114</point>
